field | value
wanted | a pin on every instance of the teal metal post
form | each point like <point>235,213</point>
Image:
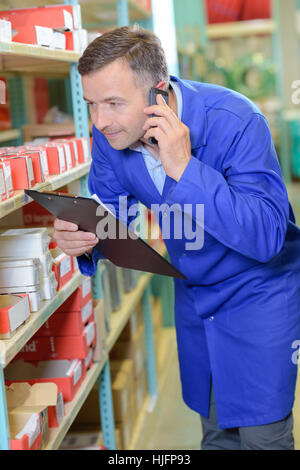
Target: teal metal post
<point>123,13</point>
<point>17,100</point>
<point>4,424</point>
<point>150,348</point>
<point>79,106</point>
<point>106,408</point>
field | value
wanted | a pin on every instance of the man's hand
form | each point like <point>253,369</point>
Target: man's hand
<point>172,135</point>
<point>72,241</point>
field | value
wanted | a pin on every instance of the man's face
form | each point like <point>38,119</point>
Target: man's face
<point>116,104</point>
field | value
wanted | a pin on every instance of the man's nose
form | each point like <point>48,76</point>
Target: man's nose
<point>101,119</point>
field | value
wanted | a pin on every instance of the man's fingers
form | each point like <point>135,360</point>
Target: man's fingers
<point>64,225</point>
<point>74,236</point>
<point>65,245</point>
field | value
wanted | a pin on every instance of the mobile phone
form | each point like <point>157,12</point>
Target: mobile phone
<point>152,101</point>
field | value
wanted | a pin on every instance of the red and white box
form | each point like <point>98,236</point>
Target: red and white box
<point>40,164</point>
<point>25,432</point>
<point>88,361</point>
<point>79,299</point>
<point>14,311</point>
<point>69,152</point>
<point>56,158</point>
<point>67,375</point>
<point>24,21</point>
<point>5,166</point>
<point>21,171</point>
<point>59,347</point>
<point>3,195</point>
<point>67,324</point>
<point>34,214</point>
<point>62,267</point>
<point>23,397</point>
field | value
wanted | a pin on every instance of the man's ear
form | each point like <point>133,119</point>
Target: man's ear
<point>161,86</point>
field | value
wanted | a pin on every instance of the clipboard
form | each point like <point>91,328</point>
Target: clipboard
<point>124,249</point>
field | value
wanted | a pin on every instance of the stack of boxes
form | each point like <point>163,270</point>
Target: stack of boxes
<point>129,389</point>
<point>24,166</point>
<point>60,353</point>
<point>32,411</point>
<point>55,26</point>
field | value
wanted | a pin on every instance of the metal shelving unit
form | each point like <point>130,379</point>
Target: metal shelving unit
<point>23,59</point>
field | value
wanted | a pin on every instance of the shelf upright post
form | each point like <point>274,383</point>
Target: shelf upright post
<point>123,13</point>
<point>106,408</point>
<point>4,424</point>
<point>150,348</point>
<point>17,100</point>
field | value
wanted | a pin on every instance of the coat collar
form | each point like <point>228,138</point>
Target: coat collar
<point>193,112</point>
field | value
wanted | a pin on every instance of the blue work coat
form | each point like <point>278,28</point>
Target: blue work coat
<point>238,313</point>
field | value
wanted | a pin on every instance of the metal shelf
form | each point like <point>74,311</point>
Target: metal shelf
<point>10,347</point>
<point>54,182</point>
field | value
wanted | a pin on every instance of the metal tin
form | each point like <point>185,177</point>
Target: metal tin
<point>24,242</point>
<point>48,286</point>
<point>19,271</point>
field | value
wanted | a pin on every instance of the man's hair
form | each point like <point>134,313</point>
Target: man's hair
<point>137,47</point>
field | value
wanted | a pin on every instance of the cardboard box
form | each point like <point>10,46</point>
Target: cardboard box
<point>67,324</point>
<point>20,396</point>
<point>122,388</point>
<point>134,349</point>
<point>101,332</point>
<point>14,310</point>
<point>62,267</point>
<point>140,387</point>
<point>24,401</point>
<point>59,347</point>
<point>21,171</point>
<point>67,375</point>
<point>132,326</point>
<point>80,297</point>
<point>24,21</point>
<point>83,439</point>
<point>25,431</point>
<point>56,158</point>
<point>34,214</point>
<point>5,165</point>
<point>3,195</point>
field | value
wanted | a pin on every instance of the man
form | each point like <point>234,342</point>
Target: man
<point>237,314</point>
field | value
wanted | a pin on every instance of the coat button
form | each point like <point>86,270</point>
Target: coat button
<point>211,318</point>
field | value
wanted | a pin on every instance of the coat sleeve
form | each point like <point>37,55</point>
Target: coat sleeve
<point>246,206</point>
<point>104,183</point>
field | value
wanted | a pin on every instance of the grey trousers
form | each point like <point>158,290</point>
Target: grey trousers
<point>273,436</point>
